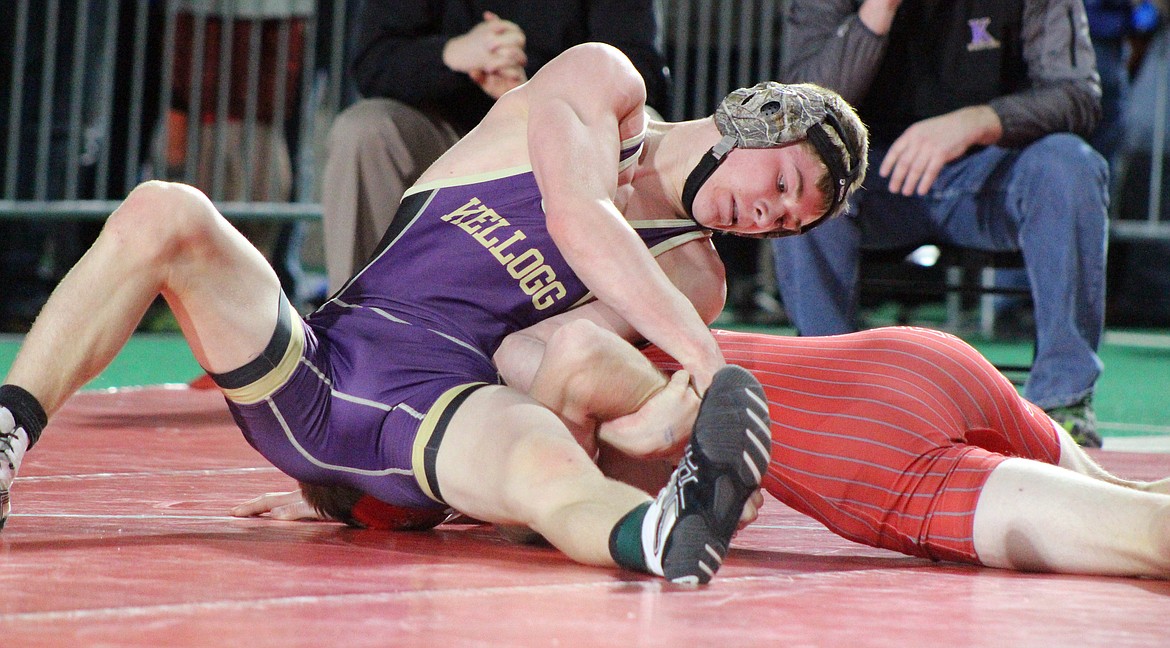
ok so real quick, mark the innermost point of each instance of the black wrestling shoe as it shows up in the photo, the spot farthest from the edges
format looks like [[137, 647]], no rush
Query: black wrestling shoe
[[688, 528], [13, 443]]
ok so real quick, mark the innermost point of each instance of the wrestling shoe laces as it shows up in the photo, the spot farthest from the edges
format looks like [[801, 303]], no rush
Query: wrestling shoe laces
[[687, 530], [13, 443]]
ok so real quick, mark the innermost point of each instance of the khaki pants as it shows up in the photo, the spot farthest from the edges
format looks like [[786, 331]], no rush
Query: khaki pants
[[377, 149]]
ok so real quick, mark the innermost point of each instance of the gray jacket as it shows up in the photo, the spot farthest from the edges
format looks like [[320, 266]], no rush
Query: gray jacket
[[826, 43]]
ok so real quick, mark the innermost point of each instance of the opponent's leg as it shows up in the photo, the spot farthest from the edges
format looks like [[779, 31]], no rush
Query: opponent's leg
[[871, 433], [164, 238], [1020, 429], [962, 408], [1038, 517]]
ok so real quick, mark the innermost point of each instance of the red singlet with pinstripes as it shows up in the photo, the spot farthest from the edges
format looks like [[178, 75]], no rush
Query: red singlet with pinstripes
[[886, 436]]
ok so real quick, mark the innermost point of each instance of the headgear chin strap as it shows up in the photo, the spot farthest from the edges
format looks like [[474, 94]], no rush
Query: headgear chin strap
[[703, 170]]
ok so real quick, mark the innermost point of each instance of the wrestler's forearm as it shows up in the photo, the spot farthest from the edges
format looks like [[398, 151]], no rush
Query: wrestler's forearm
[[573, 146], [587, 375], [623, 275]]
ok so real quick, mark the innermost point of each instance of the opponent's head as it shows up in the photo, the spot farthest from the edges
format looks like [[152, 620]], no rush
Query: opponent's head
[[772, 115], [356, 509]]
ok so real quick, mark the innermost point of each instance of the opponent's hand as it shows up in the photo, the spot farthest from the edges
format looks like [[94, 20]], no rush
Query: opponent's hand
[[492, 45], [919, 154], [751, 509], [278, 506]]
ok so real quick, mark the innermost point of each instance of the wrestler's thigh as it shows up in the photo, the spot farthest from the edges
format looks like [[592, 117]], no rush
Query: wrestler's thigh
[[501, 454], [224, 293]]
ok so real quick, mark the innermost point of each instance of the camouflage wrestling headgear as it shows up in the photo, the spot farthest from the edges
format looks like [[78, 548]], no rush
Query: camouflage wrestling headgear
[[771, 115]]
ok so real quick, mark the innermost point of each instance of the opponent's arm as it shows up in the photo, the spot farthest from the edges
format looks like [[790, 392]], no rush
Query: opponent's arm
[[288, 506], [576, 107]]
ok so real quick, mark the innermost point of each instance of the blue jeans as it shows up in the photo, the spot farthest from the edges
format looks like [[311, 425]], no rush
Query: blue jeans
[[1048, 200]]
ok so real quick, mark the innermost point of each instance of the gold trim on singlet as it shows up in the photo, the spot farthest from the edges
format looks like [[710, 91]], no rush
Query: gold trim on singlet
[[496, 174], [430, 436], [675, 241], [279, 375], [473, 178], [661, 223], [640, 140], [665, 246]]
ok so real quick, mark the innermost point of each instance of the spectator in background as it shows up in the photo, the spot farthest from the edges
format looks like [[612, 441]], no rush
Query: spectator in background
[[1139, 266], [429, 70], [245, 157], [976, 113], [1111, 25]]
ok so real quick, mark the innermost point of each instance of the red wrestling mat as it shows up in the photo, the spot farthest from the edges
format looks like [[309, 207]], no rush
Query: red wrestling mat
[[121, 537]]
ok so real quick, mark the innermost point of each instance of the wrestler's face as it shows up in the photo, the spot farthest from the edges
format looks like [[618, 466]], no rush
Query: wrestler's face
[[763, 191]]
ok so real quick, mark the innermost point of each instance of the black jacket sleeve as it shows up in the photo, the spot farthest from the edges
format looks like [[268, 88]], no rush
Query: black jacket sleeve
[[398, 48], [632, 26], [1065, 94], [398, 52]]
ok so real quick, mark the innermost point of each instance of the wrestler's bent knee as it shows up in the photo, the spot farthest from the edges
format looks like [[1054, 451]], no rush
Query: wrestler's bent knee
[[160, 219], [580, 343]]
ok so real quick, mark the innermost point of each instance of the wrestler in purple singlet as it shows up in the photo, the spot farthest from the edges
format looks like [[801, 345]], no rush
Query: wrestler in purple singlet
[[360, 393]]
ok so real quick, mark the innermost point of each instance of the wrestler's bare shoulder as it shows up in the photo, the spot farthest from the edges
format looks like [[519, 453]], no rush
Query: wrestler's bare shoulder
[[592, 76], [499, 141]]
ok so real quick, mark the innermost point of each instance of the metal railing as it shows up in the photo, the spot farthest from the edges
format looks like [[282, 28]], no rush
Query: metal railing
[[98, 95], [716, 46], [1153, 225]]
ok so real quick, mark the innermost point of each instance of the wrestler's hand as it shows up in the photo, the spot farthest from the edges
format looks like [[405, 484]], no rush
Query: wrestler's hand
[[916, 157], [492, 45], [278, 506], [751, 509], [703, 367], [661, 426]]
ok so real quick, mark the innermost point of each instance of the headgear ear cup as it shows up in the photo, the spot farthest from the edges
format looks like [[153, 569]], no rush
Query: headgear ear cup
[[373, 513]]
